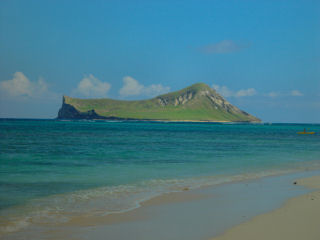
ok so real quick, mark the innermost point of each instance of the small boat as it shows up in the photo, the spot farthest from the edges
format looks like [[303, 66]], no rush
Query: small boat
[[305, 132]]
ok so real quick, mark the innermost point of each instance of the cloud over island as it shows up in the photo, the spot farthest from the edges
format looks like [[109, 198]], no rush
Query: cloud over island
[[90, 86], [226, 92], [223, 47], [131, 87]]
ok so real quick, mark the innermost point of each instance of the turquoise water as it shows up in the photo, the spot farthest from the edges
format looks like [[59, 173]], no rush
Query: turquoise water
[[51, 169]]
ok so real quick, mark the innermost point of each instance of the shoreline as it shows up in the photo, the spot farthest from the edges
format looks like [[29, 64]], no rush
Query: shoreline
[[202, 209], [297, 219], [173, 195]]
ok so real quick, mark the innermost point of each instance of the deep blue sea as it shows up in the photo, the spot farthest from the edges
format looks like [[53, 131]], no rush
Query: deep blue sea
[[51, 169]]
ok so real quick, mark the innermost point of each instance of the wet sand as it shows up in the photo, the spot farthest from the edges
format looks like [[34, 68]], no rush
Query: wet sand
[[298, 219]]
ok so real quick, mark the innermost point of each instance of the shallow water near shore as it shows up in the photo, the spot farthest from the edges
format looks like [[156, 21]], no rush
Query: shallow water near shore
[[54, 170]]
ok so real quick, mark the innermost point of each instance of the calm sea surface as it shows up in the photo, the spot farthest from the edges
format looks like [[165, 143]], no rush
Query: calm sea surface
[[50, 169]]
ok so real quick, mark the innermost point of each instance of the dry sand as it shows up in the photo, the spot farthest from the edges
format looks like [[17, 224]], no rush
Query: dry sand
[[298, 219]]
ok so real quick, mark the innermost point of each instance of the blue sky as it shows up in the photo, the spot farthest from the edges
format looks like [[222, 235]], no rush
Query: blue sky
[[263, 56]]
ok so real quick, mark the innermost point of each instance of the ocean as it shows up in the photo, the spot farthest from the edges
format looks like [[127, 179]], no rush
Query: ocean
[[51, 170]]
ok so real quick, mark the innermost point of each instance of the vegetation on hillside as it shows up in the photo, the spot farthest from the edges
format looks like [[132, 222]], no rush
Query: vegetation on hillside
[[195, 103]]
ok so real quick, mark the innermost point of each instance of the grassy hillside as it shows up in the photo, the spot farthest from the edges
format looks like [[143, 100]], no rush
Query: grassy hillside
[[197, 102]]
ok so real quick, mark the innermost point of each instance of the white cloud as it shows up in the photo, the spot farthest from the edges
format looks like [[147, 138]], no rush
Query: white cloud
[[155, 89], [224, 46], [20, 85], [223, 90], [131, 87], [226, 92], [273, 94], [246, 92], [90, 86], [296, 93]]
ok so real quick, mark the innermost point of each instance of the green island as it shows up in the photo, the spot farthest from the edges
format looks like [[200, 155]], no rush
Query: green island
[[197, 102]]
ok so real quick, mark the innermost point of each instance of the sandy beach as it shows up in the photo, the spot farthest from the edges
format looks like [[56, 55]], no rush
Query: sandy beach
[[204, 213], [298, 219]]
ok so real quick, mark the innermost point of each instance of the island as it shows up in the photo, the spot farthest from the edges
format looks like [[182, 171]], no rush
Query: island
[[198, 102]]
